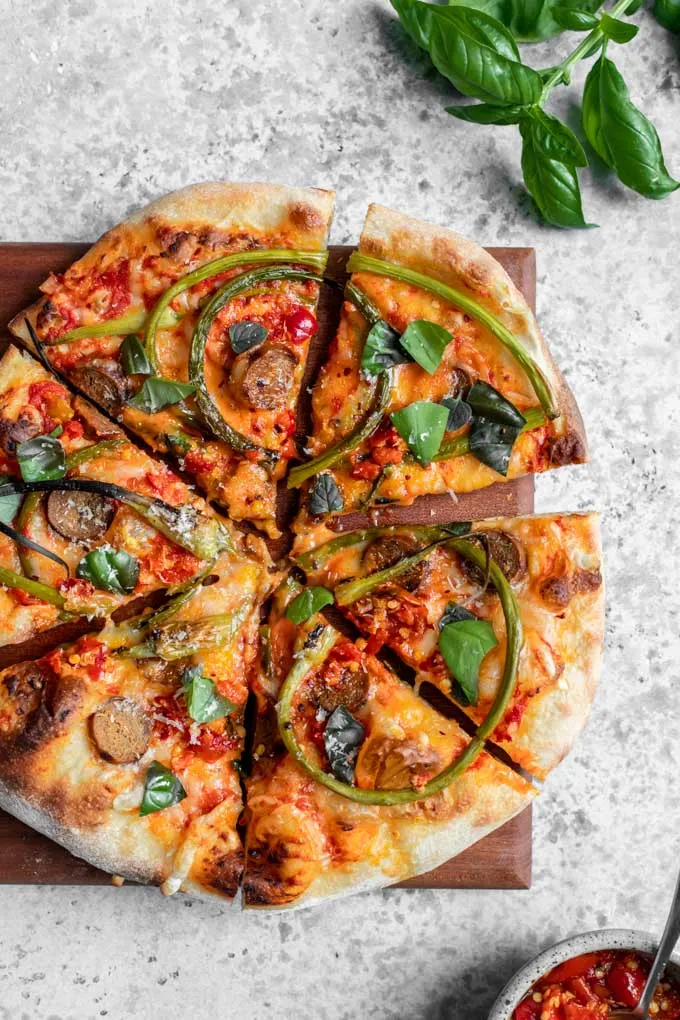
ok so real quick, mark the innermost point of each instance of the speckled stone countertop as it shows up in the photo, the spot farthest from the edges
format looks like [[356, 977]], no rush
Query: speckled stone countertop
[[107, 105]]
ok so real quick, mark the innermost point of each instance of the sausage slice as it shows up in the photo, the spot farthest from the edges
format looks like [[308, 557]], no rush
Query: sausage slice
[[387, 550], [347, 685], [505, 550], [27, 426], [121, 730], [80, 515], [106, 388], [267, 378]]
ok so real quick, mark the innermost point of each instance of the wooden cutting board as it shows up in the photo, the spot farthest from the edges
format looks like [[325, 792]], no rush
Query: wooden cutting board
[[501, 860]]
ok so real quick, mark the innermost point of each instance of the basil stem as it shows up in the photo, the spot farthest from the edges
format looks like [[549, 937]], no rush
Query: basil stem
[[460, 445], [320, 651], [366, 263], [363, 430], [35, 588], [131, 322], [315, 259], [205, 537], [180, 639], [209, 410]]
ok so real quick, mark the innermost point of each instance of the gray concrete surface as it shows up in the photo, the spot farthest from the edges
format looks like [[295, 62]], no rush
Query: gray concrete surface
[[105, 105]]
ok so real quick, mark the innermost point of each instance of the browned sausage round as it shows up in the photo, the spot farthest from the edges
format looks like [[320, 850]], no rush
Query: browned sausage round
[[107, 387], [386, 550], [79, 515], [460, 382], [159, 671], [505, 550], [121, 730], [349, 688], [265, 379], [27, 426]]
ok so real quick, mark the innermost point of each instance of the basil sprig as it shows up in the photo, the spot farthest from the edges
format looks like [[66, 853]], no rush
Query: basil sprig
[[382, 349], [157, 393], [464, 640], [203, 700], [621, 134], [41, 459], [9, 507], [110, 569], [342, 739], [472, 43], [496, 424], [243, 336], [422, 426], [422, 341], [162, 789], [309, 602], [133, 357], [324, 496]]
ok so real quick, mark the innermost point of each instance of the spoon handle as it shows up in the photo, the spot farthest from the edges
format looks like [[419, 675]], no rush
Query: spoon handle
[[669, 938]]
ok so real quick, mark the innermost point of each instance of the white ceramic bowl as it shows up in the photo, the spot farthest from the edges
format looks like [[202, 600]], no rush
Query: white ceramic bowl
[[590, 941]]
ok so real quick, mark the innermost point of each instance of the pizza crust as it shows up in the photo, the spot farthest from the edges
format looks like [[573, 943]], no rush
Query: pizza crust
[[303, 215], [459, 262]]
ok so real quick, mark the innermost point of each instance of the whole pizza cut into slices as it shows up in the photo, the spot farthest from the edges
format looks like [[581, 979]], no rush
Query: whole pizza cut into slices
[[357, 782], [125, 747], [438, 379], [94, 522], [438, 597], [191, 323]]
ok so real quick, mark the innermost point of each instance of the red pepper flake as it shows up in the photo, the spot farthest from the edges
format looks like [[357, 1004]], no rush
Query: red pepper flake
[[93, 655]]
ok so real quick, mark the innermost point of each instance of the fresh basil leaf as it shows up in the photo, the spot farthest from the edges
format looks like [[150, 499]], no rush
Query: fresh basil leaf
[[9, 507], [492, 443], [483, 113], [162, 789], [667, 13], [324, 496], [534, 20], [422, 426], [133, 357], [621, 134], [415, 19], [157, 393], [41, 459], [556, 140], [460, 413], [617, 31], [309, 602], [454, 614], [382, 349], [342, 739], [487, 402], [463, 644], [203, 700], [243, 336], [553, 185], [480, 58], [110, 569], [425, 342], [574, 19]]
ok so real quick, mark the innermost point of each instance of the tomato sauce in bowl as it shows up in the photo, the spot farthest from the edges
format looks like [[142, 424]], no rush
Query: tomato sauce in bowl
[[590, 986]]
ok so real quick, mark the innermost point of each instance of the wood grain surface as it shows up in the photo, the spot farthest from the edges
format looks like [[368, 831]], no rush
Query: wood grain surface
[[500, 861]]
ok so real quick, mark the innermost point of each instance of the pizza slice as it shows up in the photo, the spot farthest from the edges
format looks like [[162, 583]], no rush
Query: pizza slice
[[438, 379], [191, 323], [440, 598], [72, 542], [125, 747], [356, 782]]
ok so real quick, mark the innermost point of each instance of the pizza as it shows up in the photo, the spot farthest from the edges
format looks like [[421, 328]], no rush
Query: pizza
[[89, 553], [223, 723], [438, 380], [359, 729], [162, 327], [403, 587], [132, 760]]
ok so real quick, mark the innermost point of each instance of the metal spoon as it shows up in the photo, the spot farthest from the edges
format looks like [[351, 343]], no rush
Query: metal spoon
[[670, 936]]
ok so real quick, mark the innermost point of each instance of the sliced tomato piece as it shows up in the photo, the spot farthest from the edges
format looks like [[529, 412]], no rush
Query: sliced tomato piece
[[625, 984], [573, 1011], [572, 968], [529, 1009]]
